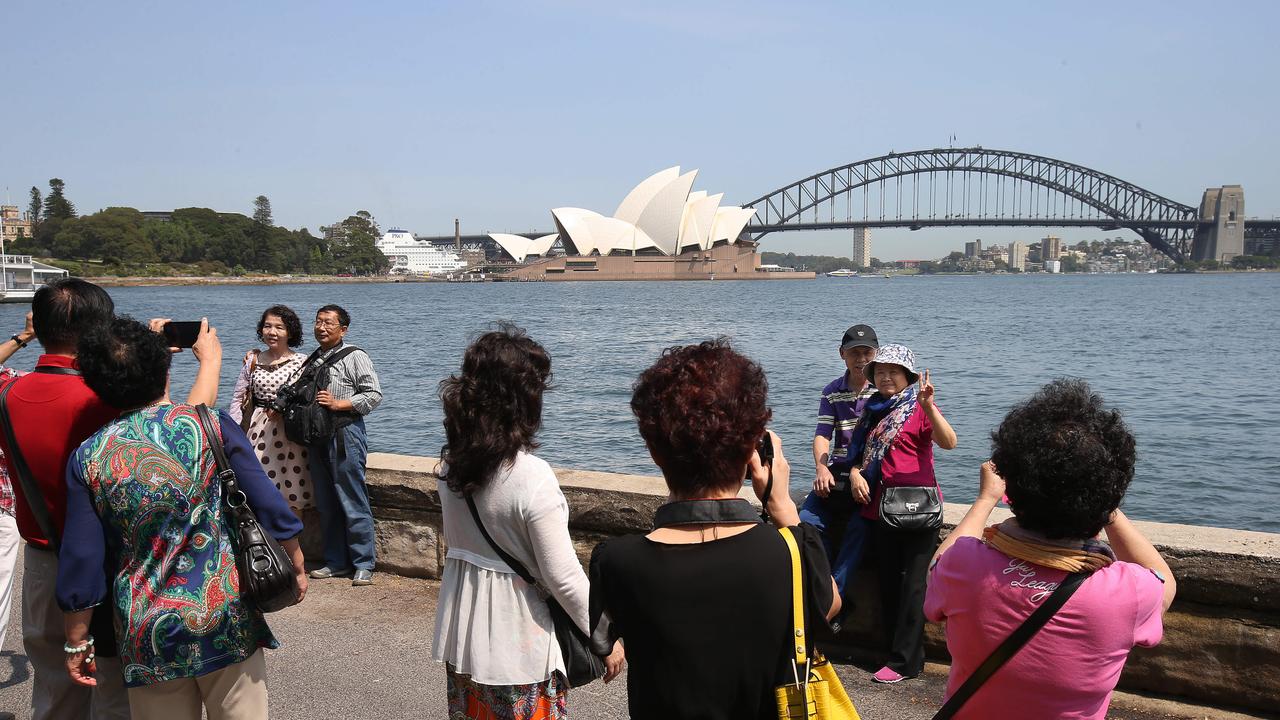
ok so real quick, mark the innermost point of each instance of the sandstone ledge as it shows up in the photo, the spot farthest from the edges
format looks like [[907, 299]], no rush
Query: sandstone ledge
[[1222, 636]]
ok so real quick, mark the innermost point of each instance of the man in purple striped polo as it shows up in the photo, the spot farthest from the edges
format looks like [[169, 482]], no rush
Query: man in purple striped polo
[[834, 506]]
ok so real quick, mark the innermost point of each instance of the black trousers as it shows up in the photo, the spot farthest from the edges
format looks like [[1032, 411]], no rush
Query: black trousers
[[902, 565]]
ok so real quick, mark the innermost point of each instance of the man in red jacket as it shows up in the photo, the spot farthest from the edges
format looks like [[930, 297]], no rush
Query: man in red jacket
[[52, 411]]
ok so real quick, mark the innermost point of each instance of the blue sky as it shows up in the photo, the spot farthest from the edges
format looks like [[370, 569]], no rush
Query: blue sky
[[496, 112]]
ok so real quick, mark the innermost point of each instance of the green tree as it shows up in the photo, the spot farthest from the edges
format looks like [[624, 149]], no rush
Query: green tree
[[262, 211], [172, 241], [33, 210], [114, 235], [353, 245], [56, 204]]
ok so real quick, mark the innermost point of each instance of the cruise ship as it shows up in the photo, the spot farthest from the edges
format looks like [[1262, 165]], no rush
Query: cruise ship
[[411, 256]]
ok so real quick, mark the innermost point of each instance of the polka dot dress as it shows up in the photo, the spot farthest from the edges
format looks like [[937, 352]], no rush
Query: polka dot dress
[[284, 460]]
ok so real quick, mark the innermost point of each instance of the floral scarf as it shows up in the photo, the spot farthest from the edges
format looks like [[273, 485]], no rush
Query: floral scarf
[[881, 420]]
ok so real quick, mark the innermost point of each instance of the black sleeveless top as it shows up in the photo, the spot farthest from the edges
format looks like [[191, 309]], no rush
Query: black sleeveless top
[[707, 627]]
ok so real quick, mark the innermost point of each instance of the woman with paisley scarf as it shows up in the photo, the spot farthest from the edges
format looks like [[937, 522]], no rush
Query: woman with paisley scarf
[[146, 534], [894, 440], [1065, 463]]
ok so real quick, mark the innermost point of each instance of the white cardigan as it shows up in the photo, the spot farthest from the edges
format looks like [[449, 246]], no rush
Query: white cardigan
[[490, 624]]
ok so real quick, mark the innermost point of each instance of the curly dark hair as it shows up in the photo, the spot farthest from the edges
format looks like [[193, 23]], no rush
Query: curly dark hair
[[701, 409], [292, 325], [1066, 460], [493, 407], [125, 363]]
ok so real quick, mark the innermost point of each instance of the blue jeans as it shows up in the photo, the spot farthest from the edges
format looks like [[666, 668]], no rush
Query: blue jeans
[[828, 514], [346, 520]]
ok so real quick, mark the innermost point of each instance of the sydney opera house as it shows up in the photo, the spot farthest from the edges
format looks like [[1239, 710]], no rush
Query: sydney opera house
[[662, 229]]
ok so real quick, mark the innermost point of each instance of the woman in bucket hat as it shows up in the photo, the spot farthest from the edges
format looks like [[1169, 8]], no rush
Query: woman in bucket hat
[[893, 442]]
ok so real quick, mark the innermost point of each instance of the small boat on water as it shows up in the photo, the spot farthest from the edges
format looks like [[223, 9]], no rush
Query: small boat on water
[[843, 272]]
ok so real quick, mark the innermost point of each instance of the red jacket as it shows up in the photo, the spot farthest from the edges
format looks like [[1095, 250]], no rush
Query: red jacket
[[52, 415]]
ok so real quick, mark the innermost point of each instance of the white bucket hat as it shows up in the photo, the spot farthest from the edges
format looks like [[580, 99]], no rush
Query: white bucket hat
[[893, 354]]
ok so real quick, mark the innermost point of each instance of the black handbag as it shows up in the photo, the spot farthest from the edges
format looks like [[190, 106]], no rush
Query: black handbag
[[581, 665], [267, 577], [911, 508]]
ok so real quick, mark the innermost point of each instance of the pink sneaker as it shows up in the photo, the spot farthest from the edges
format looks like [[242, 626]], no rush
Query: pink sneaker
[[886, 675]]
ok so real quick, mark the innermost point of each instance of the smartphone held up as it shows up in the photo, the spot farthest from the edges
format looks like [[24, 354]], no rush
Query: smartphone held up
[[181, 334]]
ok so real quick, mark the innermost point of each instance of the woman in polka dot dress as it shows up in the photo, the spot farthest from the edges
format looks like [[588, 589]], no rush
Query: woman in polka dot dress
[[264, 372]]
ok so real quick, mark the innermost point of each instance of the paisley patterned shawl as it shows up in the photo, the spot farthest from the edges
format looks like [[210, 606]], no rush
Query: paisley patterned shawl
[[880, 423], [175, 586]]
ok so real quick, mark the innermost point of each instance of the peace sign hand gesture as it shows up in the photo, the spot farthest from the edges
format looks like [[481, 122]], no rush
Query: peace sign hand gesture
[[926, 391]]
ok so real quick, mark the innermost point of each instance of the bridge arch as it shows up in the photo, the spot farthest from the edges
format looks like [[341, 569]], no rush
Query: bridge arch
[[997, 187]]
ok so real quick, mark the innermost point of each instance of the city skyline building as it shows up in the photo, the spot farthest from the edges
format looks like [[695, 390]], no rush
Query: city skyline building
[[862, 247], [973, 248], [1050, 248], [1017, 256]]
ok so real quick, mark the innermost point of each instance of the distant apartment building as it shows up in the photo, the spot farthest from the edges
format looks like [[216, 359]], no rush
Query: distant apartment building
[[1017, 256], [1050, 248], [862, 247], [16, 223], [973, 249]]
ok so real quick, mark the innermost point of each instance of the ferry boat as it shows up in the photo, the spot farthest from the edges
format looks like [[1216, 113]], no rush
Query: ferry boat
[[412, 256], [843, 272], [20, 277]]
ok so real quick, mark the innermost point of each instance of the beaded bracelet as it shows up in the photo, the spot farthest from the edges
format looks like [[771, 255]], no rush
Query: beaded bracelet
[[77, 650]]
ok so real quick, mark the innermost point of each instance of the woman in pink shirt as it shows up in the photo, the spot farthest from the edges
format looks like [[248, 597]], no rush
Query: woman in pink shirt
[[893, 442], [1065, 463]]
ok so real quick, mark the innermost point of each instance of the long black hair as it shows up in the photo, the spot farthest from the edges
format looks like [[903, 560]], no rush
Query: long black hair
[[493, 407]]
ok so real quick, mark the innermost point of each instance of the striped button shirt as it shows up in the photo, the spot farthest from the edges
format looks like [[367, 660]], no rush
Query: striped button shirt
[[838, 413], [353, 378]]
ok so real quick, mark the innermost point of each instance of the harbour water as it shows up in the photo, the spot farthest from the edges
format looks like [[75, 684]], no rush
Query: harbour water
[[1189, 359]]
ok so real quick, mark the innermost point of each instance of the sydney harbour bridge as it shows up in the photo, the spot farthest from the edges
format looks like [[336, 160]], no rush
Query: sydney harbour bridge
[[980, 187]]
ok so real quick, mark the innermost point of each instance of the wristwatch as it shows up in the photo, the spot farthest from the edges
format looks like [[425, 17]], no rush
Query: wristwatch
[[18, 339]]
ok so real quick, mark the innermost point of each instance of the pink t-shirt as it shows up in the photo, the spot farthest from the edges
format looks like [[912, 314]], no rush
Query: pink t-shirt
[[1070, 667]]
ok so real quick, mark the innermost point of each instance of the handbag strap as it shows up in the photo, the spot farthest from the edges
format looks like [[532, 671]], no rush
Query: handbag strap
[[1012, 644], [511, 562], [797, 600], [30, 490], [226, 475]]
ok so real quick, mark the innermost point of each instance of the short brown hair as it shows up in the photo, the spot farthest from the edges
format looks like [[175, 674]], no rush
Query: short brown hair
[[701, 409]]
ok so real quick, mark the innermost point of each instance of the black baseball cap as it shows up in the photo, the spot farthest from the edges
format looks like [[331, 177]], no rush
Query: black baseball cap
[[859, 336]]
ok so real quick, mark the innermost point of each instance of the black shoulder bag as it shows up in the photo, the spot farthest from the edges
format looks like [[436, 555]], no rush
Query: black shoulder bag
[[1012, 644], [581, 665], [266, 573], [102, 624], [305, 421]]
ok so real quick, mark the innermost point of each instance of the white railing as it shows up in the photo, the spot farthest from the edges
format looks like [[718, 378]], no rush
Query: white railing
[[15, 259]]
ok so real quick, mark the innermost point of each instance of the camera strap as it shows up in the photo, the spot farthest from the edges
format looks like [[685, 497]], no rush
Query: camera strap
[[705, 512]]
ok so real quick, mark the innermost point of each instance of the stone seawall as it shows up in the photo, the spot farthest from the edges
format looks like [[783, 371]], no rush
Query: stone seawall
[[1222, 635]]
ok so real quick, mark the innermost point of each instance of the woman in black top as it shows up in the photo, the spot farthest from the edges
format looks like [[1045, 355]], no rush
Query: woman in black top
[[703, 603]]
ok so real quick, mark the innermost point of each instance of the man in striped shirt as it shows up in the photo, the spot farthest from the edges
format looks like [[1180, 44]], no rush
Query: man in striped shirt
[[338, 463], [834, 506]]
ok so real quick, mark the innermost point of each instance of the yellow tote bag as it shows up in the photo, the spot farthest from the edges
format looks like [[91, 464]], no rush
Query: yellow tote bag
[[816, 692]]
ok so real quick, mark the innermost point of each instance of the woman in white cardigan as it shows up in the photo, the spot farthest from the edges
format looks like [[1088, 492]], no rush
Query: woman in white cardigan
[[493, 632]]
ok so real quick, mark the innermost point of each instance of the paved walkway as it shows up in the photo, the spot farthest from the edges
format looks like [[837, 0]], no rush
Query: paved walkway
[[365, 654]]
